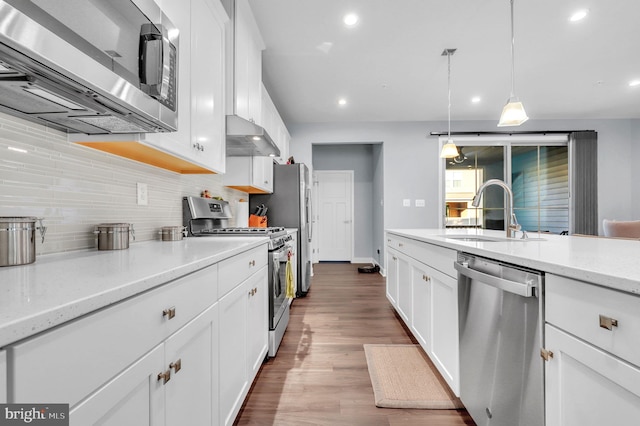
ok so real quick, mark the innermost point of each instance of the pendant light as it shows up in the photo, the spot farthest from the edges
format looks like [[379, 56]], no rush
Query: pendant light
[[513, 113], [449, 150]]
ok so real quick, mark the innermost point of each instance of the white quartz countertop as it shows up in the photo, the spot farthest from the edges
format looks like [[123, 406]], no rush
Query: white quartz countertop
[[613, 263], [60, 287]]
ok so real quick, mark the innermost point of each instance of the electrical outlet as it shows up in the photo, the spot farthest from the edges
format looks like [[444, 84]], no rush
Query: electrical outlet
[[420, 203], [142, 192], [406, 202]]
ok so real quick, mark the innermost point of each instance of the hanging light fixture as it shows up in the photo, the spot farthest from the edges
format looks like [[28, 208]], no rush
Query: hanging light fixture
[[513, 113], [449, 149]]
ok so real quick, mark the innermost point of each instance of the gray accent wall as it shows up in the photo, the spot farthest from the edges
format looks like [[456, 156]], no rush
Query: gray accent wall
[[361, 159]]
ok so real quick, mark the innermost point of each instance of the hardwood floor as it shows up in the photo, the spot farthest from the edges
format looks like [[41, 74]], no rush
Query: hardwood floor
[[320, 376]]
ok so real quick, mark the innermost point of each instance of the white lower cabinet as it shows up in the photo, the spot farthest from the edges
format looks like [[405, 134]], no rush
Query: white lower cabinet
[[133, 398], [592, 368], [191, 357], [392, 277], [426, 298], [151, 359], [444, 328], [421, 282], [586, 386], [405, 291], [257, 321], [243, 341], [173, 382]]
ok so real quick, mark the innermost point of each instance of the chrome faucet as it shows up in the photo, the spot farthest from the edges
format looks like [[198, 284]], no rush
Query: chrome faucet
[[512, 223]]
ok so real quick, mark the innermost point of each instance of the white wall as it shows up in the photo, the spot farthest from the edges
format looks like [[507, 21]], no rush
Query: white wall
[[74, 188], [411, 161]]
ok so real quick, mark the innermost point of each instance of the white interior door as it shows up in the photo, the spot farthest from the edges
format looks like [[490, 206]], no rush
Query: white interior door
[[335, 215]]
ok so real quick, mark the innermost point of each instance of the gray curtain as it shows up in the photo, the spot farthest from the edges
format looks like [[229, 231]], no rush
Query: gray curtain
[[584, 187]]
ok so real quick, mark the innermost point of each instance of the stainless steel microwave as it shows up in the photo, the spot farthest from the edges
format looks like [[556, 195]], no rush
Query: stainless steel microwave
[[94, 67]]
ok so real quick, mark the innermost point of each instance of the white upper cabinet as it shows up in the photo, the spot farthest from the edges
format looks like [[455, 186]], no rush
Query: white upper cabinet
[[207, 79], [247, 70], [201, 121], [273, 124], [253, 175]]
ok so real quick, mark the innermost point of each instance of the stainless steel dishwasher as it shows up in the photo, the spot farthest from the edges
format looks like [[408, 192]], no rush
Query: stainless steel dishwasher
[[501, 371]]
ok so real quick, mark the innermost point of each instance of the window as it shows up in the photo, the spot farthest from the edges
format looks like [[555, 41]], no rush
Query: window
[[536, 168]]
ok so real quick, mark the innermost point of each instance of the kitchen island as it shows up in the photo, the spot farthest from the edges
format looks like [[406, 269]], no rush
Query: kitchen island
[[590, 308], [136, 333]]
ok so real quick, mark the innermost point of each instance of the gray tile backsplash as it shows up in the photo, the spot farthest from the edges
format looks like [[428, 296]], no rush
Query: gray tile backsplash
[[73, 187]]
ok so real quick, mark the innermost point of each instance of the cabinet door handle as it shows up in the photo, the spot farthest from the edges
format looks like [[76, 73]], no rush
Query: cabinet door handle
[[546, 354], [427, 278], [164, 376], [607, 322], [252, 263], [400, 245], [169, 312], [176, 365]]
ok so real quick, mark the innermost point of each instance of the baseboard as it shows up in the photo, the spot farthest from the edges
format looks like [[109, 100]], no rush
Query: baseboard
[[362, 260]]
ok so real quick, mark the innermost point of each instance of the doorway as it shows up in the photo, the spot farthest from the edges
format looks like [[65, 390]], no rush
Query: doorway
[[334, 214]]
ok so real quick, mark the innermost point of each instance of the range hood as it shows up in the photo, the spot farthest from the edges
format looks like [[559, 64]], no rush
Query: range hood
[[245, 138]]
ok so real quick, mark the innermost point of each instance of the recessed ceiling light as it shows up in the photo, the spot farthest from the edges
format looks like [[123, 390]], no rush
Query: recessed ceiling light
[[634, 83], [579, 15], [476, 99], [350, 19], [342, 101]]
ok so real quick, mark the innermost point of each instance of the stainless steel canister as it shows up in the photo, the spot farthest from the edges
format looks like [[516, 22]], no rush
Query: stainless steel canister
[[114, 236], [173, 233], [18, 240]]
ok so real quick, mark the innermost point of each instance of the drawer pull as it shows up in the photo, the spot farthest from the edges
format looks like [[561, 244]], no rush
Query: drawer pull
[[400, 245], [170, 312], [176, 365], [427, 278], [607, 322], [252, 263], [165, 377]]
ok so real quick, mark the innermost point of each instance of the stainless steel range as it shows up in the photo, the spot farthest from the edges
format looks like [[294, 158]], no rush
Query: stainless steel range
[[206, 217]]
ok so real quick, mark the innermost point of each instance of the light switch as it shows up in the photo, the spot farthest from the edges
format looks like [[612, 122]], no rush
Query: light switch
[[419, 203], [406, 202]]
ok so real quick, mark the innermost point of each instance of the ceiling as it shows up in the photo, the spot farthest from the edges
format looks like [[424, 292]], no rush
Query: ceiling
[[389, 66]]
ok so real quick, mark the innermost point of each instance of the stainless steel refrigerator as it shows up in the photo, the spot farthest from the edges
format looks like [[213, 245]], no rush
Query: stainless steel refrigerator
[[290, 206]]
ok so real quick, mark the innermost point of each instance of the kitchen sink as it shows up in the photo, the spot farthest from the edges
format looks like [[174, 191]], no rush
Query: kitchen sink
[[485, 239]]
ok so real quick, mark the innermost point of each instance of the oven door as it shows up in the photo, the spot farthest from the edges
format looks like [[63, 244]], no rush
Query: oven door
[[277, 285]]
